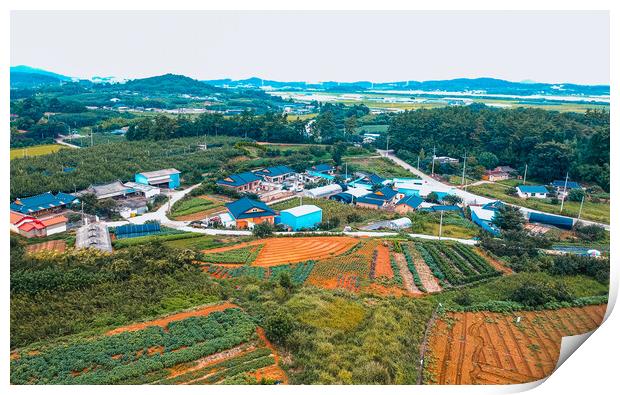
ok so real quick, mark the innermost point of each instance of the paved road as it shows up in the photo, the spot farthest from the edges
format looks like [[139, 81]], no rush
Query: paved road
[[161, 216], [467, 197]]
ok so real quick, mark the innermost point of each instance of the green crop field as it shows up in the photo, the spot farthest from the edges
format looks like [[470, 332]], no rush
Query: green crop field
[[599, 212]]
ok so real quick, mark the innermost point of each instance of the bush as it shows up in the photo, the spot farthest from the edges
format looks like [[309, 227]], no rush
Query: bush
[[590, 232], [279, 326], [533, 294], [263, 230]]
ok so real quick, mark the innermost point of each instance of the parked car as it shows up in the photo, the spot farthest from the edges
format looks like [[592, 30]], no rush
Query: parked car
[[197, 224]]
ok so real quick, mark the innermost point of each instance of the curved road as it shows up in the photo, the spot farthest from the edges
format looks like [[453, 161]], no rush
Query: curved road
[[161, 215], [468, 197]]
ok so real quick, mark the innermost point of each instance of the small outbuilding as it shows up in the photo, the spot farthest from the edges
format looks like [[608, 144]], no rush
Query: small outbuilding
[[400, 223], [532, 191], [306, 216], [324, 191], [165, 178]]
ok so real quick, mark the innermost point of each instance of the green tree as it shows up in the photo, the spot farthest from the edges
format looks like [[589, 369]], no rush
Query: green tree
[[279, 326], [509, 218], [488, 160], [262, 230]]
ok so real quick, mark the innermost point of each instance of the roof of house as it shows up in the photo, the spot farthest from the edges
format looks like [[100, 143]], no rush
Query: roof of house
[[482, 213], [59, 219], [324, 190], [112, 188], [160, 173], [442, 207], [323, 167], [275, 171], [387, 192], [302, 210], [374, 179], [494, 206], [412, 201], [41, 202], [569, 184], [140, 187], [532, 188], [16, 217], [239, 179], [505, 169], [357, 192], [371, 199], [248, 208]]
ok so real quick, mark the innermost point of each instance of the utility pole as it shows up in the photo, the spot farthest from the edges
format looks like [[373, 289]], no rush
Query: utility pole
[[300, 201], [525, 174], [346, 171], [440, 223], [91, 137], [464, 162], [387, 145], [581, 206], [433, 165], [564, 194], [418, 162]]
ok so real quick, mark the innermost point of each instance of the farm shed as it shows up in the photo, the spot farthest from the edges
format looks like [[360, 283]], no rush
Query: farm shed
[[166, 178], [324, 191], [350, 195], [483, 217], [94, 235], [148, 191], [105, 191], [301, 217], [132, 230], [555, 220], [400, 223]]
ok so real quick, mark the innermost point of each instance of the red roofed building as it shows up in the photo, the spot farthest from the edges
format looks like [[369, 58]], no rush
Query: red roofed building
[[29, 226]]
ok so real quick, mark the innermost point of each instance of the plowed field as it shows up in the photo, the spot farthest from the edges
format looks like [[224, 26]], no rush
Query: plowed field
[[52, 245], [278, 251], [493, 348]]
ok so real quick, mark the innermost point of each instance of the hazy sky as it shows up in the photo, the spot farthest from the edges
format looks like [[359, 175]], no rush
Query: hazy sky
[[317, 46]]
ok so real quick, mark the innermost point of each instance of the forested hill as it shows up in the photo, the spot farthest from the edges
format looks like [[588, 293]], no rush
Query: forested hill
[[551, 143], [170, 83]]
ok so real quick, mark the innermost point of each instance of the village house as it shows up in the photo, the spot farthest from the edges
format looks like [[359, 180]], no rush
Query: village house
[[247, 213], [29, 226], [242, 182], [499, 173], [275, 174], [43, 204], [384, 197], [408, 204], [562, 187], [532, 191]]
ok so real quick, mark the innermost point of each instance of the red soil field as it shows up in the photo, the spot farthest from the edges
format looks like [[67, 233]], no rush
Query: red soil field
[[282, 250], [164, 321], [52, 245], [494, 262], [492, 348], [383, 267]]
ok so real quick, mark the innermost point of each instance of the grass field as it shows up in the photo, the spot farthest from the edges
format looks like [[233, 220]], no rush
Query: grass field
[[35, 150], [372, 129], [592, 211], [380, 166]]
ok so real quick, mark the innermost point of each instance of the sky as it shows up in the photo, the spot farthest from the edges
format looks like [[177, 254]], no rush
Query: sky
[[553, 47]]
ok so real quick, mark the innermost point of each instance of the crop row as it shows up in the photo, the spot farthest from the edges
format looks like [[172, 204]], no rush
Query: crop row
[[433, 264], [299, 272], [411, 265], [114, 359], [221, 367], [373, 265], [233, 272], [397, 277], [239, 255]]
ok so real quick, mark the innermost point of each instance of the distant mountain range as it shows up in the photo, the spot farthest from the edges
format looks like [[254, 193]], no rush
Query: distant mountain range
[[30, 77], [486, 85]]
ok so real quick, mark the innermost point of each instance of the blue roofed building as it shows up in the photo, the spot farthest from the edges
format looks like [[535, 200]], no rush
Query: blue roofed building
[[408, 204], [384, 197], [445, 208], [483, 216], [275, 174], [44, 203], [165, 178], [367, 181], [559, 184], [248, 212], [307, 216], [554, 220], [241, 182], [322, 168], [532, 191]]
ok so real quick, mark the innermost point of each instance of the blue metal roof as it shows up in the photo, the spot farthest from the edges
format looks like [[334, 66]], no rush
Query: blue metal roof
[[532, 188], [248, 208], [374, 179], [41, 202], [555, 220], [128, 229], [342, 197], [496, 205], [387, 192], [412, 201], [379, 197], [237, 180], [569, 185], [371, 199], [322, 168], [275, 171], [444, 208]]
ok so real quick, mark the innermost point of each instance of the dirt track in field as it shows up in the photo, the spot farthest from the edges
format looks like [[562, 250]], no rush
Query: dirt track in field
[[164, 321], [406, 274], [493, 348]]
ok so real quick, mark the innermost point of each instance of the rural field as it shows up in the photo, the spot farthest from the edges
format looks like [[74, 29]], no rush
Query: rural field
[[216, 344], [35, 150], [495, 348], [592, 211]]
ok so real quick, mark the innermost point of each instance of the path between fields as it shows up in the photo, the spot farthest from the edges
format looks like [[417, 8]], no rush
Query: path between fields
[[468, 197], [405, 274]]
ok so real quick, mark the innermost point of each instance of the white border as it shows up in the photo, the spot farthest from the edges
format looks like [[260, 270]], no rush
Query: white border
[[592, 369]]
